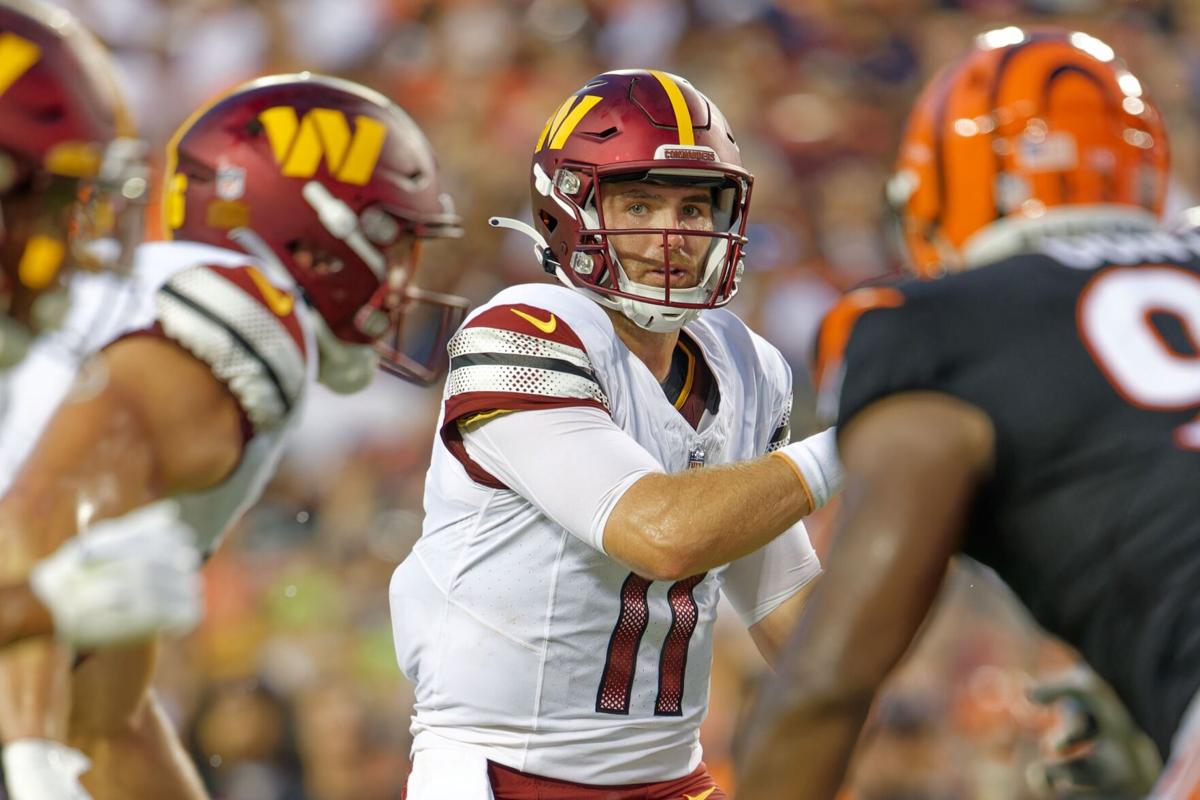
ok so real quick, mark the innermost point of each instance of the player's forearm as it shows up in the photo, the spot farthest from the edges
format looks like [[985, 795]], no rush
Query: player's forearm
[[21, 614], [671, 526], [35, 689], [145, 421], [818, 736]]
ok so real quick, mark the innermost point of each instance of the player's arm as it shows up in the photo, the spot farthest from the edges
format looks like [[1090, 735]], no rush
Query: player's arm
[[22, 614], [145, 420], [525, 410], [160, 413], [670, 526], [914, 462], [665, 527], [771, 633]]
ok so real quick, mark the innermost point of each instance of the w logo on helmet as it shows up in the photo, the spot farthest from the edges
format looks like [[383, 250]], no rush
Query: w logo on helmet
[[563, 123], [17, 55], [300, 145]]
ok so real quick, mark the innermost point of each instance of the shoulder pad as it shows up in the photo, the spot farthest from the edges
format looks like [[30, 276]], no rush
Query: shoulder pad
[[834, 336], [515, 357], [245, 329]]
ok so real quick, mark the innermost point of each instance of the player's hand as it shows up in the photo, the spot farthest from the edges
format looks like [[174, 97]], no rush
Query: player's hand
[[1100, 752], [40, 769], [123, 579]]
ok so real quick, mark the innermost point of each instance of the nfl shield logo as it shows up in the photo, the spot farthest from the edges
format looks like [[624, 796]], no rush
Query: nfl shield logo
[[230, 183]]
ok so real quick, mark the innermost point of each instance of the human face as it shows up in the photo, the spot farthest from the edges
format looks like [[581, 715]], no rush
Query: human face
[[675, 259]]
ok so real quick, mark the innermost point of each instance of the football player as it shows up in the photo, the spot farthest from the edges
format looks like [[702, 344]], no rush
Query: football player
[[72, 181], [1035, 408], [613, 455], [296, 205]]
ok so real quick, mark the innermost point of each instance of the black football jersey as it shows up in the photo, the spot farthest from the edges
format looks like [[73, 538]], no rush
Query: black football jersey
[[1087, 361]]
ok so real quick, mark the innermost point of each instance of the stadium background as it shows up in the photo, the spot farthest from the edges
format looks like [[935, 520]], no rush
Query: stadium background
[[289, 689]]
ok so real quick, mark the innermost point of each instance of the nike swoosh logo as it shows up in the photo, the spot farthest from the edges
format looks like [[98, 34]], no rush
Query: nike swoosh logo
[[702, 795], [280, 302], [546, 326]]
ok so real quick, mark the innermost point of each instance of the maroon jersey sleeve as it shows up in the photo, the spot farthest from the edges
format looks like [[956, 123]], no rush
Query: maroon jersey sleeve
[[245, 329], [514, 357]]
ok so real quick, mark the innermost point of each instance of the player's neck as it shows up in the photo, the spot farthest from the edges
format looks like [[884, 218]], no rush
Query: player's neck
[[654, 349]]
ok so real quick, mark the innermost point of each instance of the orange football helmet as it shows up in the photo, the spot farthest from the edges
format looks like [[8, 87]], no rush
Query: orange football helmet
[[1025, 123]]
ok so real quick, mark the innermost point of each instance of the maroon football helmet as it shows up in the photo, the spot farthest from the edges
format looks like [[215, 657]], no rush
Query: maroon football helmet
[[652, 127], [335, 183], [73, 180]]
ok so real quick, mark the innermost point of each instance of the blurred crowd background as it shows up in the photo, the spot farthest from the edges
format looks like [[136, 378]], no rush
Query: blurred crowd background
[[290, 690]]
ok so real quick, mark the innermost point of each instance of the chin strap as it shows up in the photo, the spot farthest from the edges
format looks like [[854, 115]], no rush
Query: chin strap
[[15, 340], [342, 366]]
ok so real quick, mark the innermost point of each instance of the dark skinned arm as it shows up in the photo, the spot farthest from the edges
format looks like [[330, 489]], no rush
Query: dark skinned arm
[[914, 462]]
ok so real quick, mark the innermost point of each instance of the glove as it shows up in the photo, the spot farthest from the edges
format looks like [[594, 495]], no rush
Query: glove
[[1101, 753], [124, 579], [39, 769]]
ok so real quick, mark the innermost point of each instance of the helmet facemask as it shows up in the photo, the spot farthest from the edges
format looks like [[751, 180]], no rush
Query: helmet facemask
[[660, 277], [410, 326], [84, 212]]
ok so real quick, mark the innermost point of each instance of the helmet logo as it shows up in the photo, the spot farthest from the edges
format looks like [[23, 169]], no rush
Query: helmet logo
[[300, 145], [175, 209], [562, 124], [230, 183], [17, 55]]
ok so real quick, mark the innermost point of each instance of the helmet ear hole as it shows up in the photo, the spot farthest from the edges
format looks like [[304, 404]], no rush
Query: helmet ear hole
[[549, 221]]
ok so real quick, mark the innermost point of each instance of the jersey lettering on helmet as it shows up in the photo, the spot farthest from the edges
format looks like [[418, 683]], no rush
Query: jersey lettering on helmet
[[300, 144], [17, 55], [560, 127]]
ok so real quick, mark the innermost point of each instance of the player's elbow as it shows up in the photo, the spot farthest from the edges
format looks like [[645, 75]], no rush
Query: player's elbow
[[669, 564], [650, 552]]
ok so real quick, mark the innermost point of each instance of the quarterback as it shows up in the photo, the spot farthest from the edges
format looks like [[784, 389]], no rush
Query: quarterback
[[613, 455], [295, 205], [1034, 408]]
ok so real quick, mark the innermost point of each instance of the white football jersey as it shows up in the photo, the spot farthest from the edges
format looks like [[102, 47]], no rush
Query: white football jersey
[[215, 303], [525, 642]]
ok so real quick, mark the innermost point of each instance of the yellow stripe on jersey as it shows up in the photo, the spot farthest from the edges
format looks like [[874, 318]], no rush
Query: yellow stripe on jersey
[[683, 117], [689, 380], [483, 416]]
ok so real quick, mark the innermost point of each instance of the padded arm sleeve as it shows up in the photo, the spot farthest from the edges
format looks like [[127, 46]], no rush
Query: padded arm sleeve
[[573, 464]]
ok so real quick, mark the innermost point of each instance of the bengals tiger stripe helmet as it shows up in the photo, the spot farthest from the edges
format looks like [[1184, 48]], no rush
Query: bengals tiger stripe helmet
[[636, 125], [73, 177], [1028, 128]]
